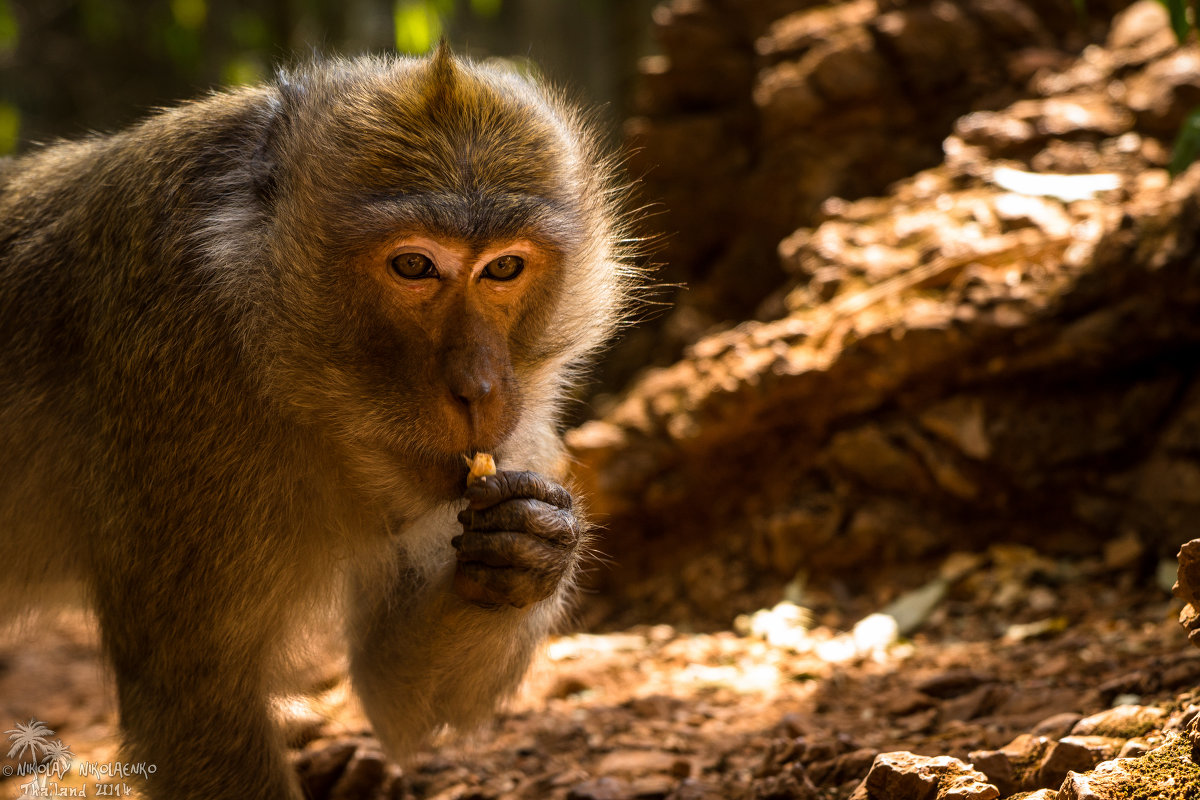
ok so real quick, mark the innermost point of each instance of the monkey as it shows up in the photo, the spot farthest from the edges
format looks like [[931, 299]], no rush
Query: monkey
[[245, 345]]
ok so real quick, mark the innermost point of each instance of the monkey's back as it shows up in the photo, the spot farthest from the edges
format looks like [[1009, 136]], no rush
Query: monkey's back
[[95, 288]]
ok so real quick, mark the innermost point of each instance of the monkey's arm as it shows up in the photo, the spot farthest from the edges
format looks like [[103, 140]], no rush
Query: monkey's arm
[[454, 630]]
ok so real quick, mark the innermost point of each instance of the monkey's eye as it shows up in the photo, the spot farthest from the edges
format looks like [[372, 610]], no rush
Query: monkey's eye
[[413, 266], [504, 268]]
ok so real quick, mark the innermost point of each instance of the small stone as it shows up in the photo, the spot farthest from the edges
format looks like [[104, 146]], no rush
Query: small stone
[[1135, 748], [1123, 552], [905, 776], [1138, 22], [1124, 722], [952, 683], [996, 765], [1074, 754], [1057, 726], [636, 762], [1188, 581]]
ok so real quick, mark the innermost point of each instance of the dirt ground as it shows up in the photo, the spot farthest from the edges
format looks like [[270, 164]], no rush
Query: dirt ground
[[798, 705]]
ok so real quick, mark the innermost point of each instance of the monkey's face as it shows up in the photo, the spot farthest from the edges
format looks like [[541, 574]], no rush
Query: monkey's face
[[436, 334], [442, 238]]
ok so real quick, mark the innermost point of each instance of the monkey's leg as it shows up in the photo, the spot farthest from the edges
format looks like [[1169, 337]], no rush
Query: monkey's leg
[[192, 698]]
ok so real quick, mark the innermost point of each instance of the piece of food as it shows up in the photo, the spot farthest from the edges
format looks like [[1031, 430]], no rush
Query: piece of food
[[482, 466]]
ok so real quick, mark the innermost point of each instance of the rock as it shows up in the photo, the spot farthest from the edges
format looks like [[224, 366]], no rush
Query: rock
[[1056, 726], [852, 766], [636, 762], [1139, 22], [998, 768], [1187, 585], [1015, 766], [1123, 552], [790, 784], [911, 609], [809, 101], [1124, 722], [1187, 589], [904, 776], [931, 369], [1074, 754], [952, 683], [1166, 768], [1134, 748], [1161, 92]]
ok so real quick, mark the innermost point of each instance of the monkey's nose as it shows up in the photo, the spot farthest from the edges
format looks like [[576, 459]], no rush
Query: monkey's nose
[[472, 390]]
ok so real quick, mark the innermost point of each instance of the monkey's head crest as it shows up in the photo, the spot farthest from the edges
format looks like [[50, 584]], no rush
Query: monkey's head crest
[[441, 80]]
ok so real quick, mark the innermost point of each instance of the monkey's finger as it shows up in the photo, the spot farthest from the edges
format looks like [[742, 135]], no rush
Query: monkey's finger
[[552, 523], [509, 549], [506, 485]]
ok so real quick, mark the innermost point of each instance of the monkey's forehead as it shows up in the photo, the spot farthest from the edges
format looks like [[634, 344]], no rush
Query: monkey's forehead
[[476, 219], [436, 124]]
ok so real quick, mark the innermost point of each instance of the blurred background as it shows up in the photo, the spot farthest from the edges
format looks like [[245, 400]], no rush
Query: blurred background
[[72, 66]]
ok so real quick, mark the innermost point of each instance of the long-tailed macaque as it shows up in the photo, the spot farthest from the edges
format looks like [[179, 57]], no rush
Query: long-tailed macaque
[[245, 346]]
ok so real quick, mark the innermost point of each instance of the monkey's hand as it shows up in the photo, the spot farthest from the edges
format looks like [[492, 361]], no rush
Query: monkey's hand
[[520, 539]]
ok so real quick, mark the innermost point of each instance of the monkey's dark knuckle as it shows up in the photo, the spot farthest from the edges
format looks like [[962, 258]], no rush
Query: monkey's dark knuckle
[[522, 514], [515, 484], [538, 487], [484, 495]]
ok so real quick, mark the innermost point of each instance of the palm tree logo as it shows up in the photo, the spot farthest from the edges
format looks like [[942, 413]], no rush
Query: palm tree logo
[[32, 737], [56, 754]]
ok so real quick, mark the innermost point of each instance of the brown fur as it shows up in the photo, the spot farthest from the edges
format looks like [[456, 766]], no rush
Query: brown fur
[[213, 417]]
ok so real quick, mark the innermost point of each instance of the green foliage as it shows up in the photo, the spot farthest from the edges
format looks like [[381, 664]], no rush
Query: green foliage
[[101, 21], [8, 29], [189, 14], [485, 8], [1187, 144], [418, 24], [183, 45], [250, 31], [242, 71], [10, 128]]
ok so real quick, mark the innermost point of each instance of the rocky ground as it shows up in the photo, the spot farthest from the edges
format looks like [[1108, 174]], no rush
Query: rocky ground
[[1032, 669]]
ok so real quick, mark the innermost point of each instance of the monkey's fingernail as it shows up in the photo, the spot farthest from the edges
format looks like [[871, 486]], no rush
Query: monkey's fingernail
[[456, 542]]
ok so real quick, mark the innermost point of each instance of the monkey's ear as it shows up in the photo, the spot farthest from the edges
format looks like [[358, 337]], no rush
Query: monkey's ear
[[280, 111]]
